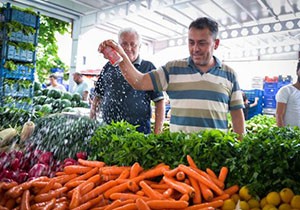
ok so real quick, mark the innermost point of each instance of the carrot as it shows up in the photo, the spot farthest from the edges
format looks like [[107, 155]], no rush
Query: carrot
[[49, 195], [76, 169], [116, 189], [87, 188], [223, 174], [18, 190], [91, 163], [42, 184], [171, 173], [191, 172], [25, 200], [48, 187], [50, 205], [197, 198], [142, 205], [158, 186], [132, 186], [168, 192], [211, 173], [185, 197], [232, 190], [116, 170], [61, 206], [150, 182], [75, 199], [60, 173], [10, 203], [187, 181], [8, 185], [65, 178], [118, 203], [126, 196], [149, 191], [108, 177], [135, 179], [125, 174], [129, 206], [180, 176], [191, 162], [214, 204], [135, 169], [98, 190], [90, 203], [161, 204], [140, 192], [213, 179], [156, 171], [180, 186], [206, 192], [73, 184], [221, 197], [86, 175]]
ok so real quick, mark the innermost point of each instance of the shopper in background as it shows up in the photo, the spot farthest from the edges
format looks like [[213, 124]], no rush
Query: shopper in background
[[288, 103], [54, 84], [82, 86], [118, 100], [248, 105], [201, 89]]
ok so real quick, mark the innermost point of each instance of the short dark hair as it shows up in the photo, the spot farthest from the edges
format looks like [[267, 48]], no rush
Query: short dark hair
[[53, 76], [204, 22]]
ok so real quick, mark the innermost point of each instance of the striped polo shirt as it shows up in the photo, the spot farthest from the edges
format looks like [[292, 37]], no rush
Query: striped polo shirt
[[198, 100]]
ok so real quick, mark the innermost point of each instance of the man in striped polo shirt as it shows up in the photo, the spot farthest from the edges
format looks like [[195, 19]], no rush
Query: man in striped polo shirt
[[201, 89]]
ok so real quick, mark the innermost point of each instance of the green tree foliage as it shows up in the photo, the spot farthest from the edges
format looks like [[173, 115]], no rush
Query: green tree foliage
[[47, 50]]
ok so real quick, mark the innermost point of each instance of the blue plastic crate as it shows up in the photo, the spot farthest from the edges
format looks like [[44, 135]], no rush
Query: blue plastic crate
[[22, 72], [21, 37], [270, 91], [19, 105], [24, 18], [270, 85], [19, 54], [269, 101], [16, 91], [252, 94], [256, 110]]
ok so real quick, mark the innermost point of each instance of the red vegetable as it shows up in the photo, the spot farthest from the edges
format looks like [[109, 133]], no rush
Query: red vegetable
[[38, 170]]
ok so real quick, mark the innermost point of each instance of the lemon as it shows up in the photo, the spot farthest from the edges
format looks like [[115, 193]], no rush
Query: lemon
[[295, 202], [235, 197], [244, 205], [286, 195], [253, 203], [285, 206], [263, 202], [244, 193], [228, 204], [273, 198], [268, 207]]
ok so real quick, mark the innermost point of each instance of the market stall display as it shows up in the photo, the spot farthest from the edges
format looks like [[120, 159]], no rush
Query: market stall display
[[19, 38]]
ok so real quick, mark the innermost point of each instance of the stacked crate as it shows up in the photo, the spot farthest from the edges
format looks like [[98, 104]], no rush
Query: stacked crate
[[251, 95], [18, 41], [271, 87]]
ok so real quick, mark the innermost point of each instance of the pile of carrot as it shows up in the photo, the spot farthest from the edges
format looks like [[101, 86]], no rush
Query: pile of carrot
[[94, 185]]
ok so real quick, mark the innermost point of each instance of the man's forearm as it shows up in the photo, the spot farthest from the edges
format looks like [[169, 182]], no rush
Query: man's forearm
[[131, 74], [159, 116]]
